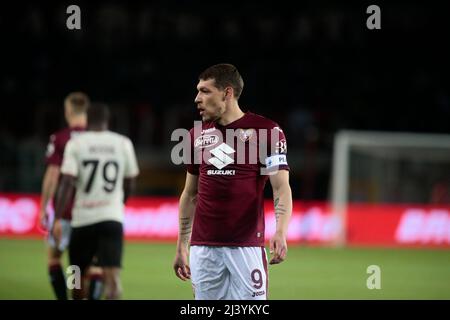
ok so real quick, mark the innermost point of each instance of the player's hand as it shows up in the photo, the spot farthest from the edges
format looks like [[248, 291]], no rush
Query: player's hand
[[57, 231], [43, 219], [181, 266], [278, 248]]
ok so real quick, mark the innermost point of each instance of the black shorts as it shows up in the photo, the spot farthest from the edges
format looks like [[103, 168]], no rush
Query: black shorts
[[104, 240]]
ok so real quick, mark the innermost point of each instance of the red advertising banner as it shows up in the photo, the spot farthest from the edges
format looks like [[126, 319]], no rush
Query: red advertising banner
[[154, 218], [406, 225]]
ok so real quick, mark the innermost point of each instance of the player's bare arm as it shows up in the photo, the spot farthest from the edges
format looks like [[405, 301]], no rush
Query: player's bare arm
[[66, 189], [49, 184], [187, 204], [282, 197]]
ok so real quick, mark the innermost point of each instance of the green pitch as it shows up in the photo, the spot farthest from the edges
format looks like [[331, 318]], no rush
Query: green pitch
[[308, 273]]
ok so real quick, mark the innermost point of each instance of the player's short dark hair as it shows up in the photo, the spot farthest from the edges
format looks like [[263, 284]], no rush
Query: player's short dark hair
[[78, 101], [97, 114], [225, 75]]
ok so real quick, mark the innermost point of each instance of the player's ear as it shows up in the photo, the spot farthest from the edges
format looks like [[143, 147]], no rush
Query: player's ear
[[228, 93]]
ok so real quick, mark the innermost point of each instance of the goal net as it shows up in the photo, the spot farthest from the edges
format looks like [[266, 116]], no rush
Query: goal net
[[387, 167]]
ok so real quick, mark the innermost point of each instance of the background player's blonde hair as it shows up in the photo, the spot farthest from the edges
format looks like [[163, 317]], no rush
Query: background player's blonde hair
[[78, 102]]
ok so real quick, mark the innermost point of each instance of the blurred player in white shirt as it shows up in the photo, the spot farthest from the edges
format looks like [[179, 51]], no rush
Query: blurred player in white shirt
[[100, 166]]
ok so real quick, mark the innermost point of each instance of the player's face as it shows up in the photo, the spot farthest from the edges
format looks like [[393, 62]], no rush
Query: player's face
[[210, 100]]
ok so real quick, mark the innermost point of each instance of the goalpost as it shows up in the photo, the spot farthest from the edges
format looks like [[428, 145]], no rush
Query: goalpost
[[387, 167]]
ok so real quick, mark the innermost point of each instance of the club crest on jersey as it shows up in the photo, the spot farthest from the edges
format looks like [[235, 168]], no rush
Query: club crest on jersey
[[246, 134], [206, 140]]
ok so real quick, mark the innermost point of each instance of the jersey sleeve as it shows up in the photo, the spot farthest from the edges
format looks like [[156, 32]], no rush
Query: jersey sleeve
[[277, 150], [191, 166], [131, 165], [70, 163], [54, 153]]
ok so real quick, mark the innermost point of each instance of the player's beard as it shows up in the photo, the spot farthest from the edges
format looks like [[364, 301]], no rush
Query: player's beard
[[211, 117]]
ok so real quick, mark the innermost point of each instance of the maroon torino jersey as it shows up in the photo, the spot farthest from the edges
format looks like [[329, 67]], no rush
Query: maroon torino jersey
[[55, 153], [232, 175]]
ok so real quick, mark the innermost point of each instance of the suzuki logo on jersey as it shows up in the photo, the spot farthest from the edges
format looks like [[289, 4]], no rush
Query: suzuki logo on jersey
[[221, 156], [221, 172]]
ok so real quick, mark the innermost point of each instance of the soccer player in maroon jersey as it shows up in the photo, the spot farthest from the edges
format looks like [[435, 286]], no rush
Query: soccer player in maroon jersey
[[221, 209], [75, 108]]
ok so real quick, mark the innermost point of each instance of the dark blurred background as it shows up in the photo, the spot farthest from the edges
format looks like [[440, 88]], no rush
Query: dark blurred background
[[313, 67]]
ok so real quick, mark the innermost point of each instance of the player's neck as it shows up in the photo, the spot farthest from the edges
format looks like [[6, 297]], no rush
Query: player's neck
[[97, 127], [77, 122], [232, 114]]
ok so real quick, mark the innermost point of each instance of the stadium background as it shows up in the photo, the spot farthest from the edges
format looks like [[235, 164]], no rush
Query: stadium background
[[313, 67]]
